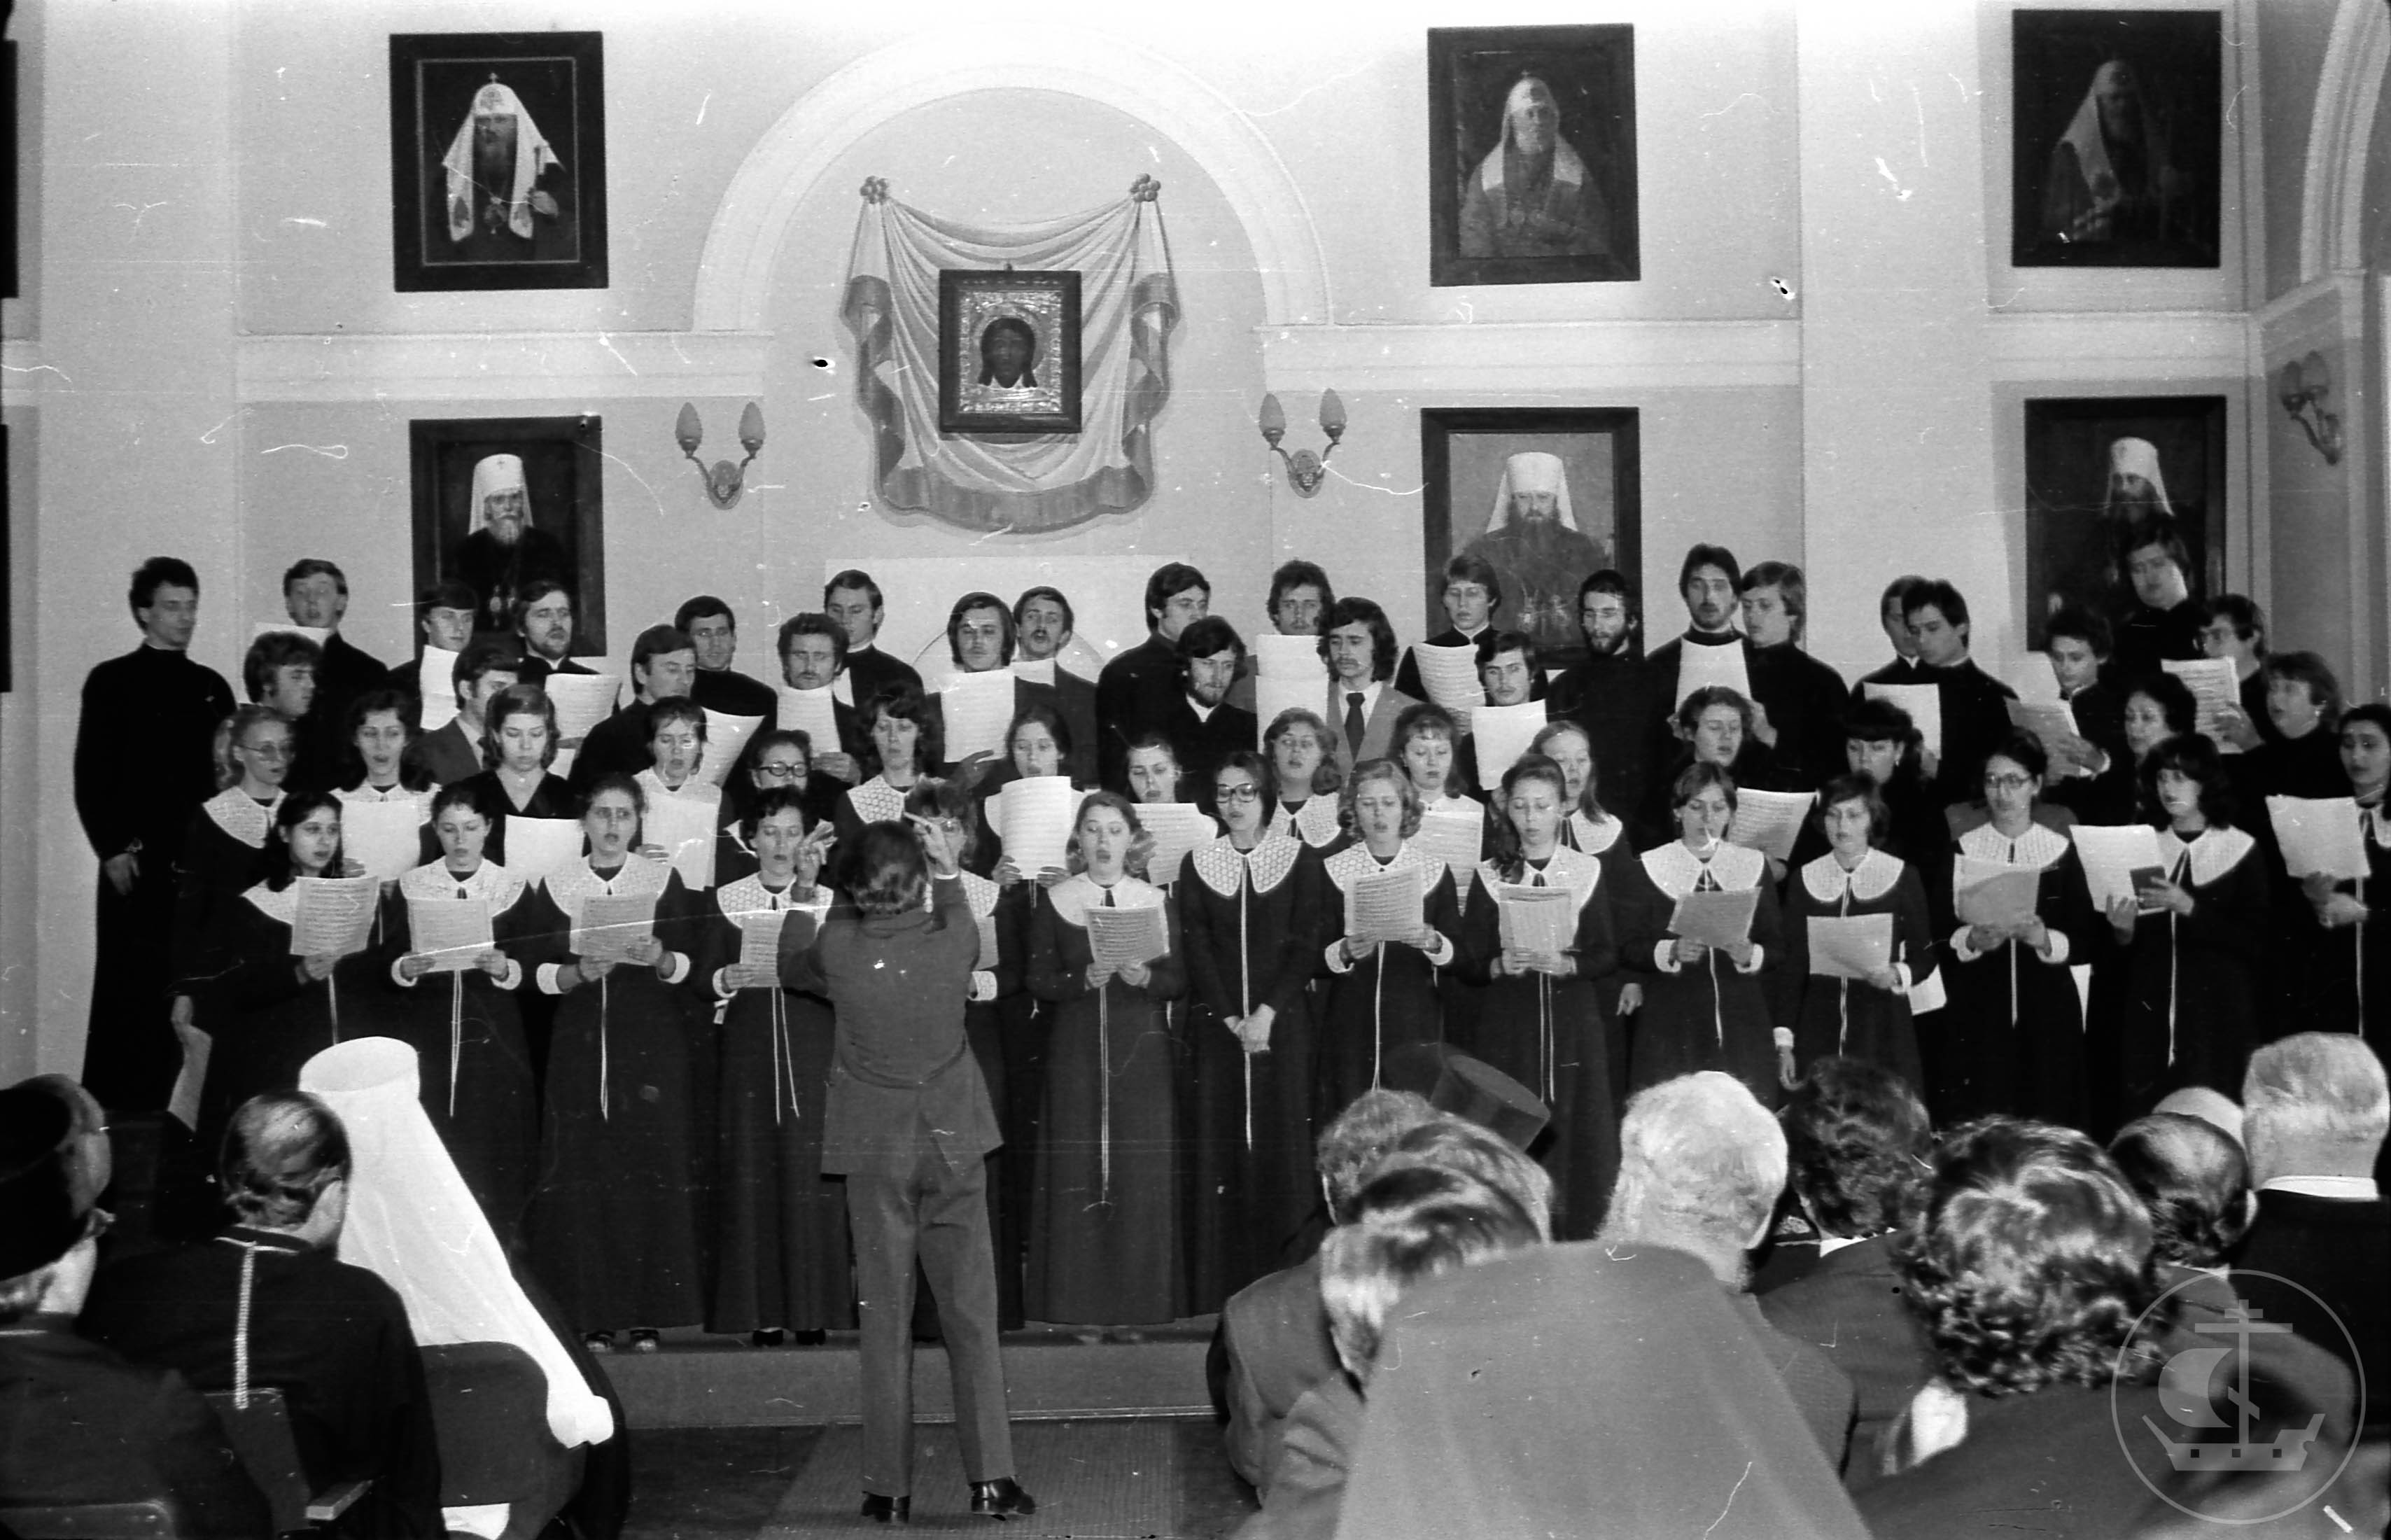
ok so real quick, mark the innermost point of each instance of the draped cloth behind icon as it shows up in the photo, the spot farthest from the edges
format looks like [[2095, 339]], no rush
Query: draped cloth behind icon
[[1128, 304]]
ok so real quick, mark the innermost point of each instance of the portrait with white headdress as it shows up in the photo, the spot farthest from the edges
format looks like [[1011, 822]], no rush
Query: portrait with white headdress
[[499, 183], [1544, 508], [2100, 468], [2117, 139]]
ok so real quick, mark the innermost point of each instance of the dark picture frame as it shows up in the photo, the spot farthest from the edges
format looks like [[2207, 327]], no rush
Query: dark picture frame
[[2117, 137], [563, 458], [553, 236], [2072, 517], [1464, 453], [1583, 228], [980, 310]]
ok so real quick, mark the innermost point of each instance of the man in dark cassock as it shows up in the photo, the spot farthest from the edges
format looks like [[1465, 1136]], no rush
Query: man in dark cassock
[[2164, 622], [1975, 706], [980, 639], [713, 630], [503, 551], [852, 599], [1610, 693], [1136, 686], [543, 621], [1042, 623], [444, 615], [1802, 698], [1472, 596], [1893, 615], [1202, 728], [144, 760], [316, 592]]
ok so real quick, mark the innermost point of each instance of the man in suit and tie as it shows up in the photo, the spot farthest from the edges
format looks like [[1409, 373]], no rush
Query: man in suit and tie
[[1042, 622], [1359, 645]]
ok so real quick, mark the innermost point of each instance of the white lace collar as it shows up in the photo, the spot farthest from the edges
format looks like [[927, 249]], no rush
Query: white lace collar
[[1676, 871], [695, 789], [979, 892], [749, 896], [1076, 895], [1868, 882], [2213, 852], [1574, 869], [2039, 847], [577, 883], [1225, 869], [242, 816], [1354, 861], [1592, 837], [876, 801], [276, 904], [1314, 823], [488, 880]]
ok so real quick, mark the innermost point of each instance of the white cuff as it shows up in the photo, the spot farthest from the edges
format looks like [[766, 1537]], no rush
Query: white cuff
[[1963, 944], [983, 988], [2057, 956], [1783, 1038], [546, 979], [1901, 971], [512, 977], [1441, 954], [675, 968], [722, 991], [399, 978], [1664, 956], [1759, 956], [1337, 961]]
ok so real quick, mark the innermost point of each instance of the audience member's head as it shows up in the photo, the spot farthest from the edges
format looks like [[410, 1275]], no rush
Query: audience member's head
[[1700, 1165], [1855, 1137], [1351, 1146], [286, 1165], [2314, 1105], [50, 1179], [2216, 1108], [1453, 1143], [885, 873], [1411, 1223], [2194, 1181]]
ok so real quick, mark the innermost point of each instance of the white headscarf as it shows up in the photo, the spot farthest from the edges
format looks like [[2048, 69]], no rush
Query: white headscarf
[[414, 1224], [1567, 164], [2137, 457], [496, 473], [1531, 471], [2091, 148], [532, 158]]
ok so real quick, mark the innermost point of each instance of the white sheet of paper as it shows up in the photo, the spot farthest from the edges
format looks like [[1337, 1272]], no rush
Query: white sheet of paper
[[1928, 994], [538, 847], [685, 827], [1850, 946], [1385, 906], [2036, 681], [561, 765], [2111, 856], [335, 915], [1450, 676], [1698, 667], [1034, 819], [1502, 734], [184, 1102], [436, 679], [1989, 893], [759, 938], [813, 713], [1036, 671], [451, 932], [385, 838], [613, 923], [1535, 919], [2318, 835], [581, 701], [1177, 828], [1769, 821], [1716, 919], [976, 708], [1289, 657], [2049, 721], [726, 740], [1455, 837], [317, 634], [1924, 704], [1273, 695], [1120, 937], [2212, 685]]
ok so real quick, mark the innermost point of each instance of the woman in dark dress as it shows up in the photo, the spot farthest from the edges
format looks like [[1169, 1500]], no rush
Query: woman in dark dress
[[1247, 901], [1104, 1239], [2012, 1039], [1856, 1018], [1306, 776], [1540, 1016], [518, 744], [614, 1223], [906, 737], [1380, 999], [465, 1024], [779, 1228], [1704, 1007], [229, 850], [379, 768]]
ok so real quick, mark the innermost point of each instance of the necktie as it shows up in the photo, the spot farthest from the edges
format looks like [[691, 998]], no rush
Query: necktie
[[1353, 728]]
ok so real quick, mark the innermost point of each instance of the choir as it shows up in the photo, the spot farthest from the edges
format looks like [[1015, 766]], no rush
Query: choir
[[1668, 868]]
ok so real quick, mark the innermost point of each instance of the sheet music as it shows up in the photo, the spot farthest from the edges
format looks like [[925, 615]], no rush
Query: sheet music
[[184, 1102], [1455, 837], [1450, 676], [1036, 671], [1034, 819], [335, 915], [2212, 686], [436, 679], [685, 827], [1850, 946], [1122, 937], [317, 634], [384, 838], [1769, 821], [581, 701], [1716, 919], [976, 708], [453, 933], [1502, 734], [1924, 704], [1535, 919], [726, 740], [2049, 721], [1177, 828], [759, 939], [1698, 667], [1385, 906], [2318, 835], [1274, 695], [1289, 657], [1928, 994], [612, 924], [1990, 893], [2037, 681], [813, 713], [2117, 860], [539, 847]]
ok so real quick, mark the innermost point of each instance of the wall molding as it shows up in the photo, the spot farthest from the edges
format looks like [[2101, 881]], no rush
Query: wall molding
[[2136, 346], [525, 366], [2333, 183], [734, 280], [1577, 357], [2325, 310]]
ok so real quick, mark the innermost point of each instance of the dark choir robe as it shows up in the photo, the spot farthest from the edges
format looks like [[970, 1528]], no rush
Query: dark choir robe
[[734, 694], [869, 671], [1806, 700], [334, 1338], [553, 797], [1252, 1201], [143, 762], [1130, 694], [617, 746], [2147, 638], [1200, 743], [1372, 1010], [2252, 696], [1847, 1016], [2186, 1013], [1078, 697], [1921, 832], [228, 849], [1661, 675], [345, 673], [1607, 839], [2307, 765], [450, 752], [496, 573], [534, 669], [1407, 671], [1026, 693], [473, 1061], [2112, 795], [2346, 971], [614, 1224], [779, 1246], [1009, 1041], [1551, 1034], [1975, 721], [1105, 1233], [1612, 696], [1755, 768], [2011, 1038], [1714, 1013]]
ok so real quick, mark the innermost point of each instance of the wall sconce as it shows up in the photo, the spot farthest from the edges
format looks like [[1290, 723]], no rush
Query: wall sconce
[[2306, 384], [1305, 470], [726, 481]]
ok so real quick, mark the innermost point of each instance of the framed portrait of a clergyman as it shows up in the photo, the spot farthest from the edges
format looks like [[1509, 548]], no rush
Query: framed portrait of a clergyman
[[502, 502], [2117, 138], [498, 153], [1531, 155], [2097, 468], [1008, 351]]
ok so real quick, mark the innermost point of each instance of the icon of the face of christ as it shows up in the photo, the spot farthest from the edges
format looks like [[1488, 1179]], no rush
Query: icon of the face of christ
[[1007, 349]]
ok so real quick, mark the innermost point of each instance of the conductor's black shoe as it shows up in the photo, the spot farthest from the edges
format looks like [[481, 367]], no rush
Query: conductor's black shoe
[[1001, 1498], [888, 1510]]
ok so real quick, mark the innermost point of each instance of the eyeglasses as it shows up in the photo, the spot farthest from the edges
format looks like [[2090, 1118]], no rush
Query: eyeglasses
[[2008, 782], [1239, 793], [268, 750], [780, 773]]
